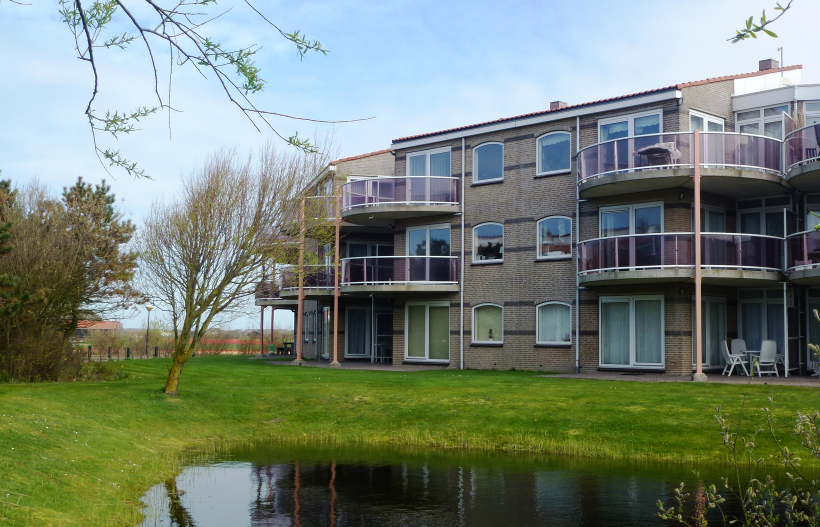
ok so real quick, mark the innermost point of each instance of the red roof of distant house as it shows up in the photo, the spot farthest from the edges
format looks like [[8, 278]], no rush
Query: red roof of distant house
[[656, 90], [99, 324], [359, 157]]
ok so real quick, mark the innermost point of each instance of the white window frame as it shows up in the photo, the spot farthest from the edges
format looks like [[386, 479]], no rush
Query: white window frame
[[761, 211], [766, 301], [429, 228], [631, 207], [709, 210], [428, 153], [537, 325], [426, 332], [706, 119], [814, 114], [474, 339], [503, 242], [706, 326], [632, 363], [538, 254], [630, 117], [475, 163], [368, 328], [538, 171], [761, 121]]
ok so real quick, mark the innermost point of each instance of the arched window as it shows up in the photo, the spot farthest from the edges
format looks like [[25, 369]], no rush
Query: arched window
[[488, 242], [553, 323], [554, 153], [488, 162], [488, 324], [555, 237]]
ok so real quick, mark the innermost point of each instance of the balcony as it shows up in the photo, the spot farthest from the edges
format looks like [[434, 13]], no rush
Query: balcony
[[803, 264], [268, 293], [653, 162], [802, 153], [376, 201], [400, 274], [319, 281], [728, 259]]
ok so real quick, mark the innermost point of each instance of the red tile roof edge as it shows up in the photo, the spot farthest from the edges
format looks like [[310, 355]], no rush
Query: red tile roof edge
[[361, 156], [104, 324], [636, 94]]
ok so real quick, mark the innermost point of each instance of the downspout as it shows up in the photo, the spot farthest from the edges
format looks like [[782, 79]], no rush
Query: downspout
[[577, 248], [461, 280]]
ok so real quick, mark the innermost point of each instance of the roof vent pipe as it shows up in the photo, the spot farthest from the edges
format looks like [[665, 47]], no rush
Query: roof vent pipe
[[557, 105]]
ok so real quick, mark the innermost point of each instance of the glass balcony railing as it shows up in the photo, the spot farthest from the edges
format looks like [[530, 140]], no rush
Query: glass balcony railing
[[803, 250], [802, 145], [400, 191], [676, 250], [316, 277], [387, 270], [717, 149], [267, 290]]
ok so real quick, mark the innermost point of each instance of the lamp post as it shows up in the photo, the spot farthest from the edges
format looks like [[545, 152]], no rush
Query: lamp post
[[149, 307]]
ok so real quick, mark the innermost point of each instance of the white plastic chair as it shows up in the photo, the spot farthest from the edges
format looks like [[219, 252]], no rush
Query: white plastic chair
[[732, 359], [738, 346], [768, 350]]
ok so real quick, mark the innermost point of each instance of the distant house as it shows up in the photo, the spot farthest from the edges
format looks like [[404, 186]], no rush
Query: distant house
[[86, 327]]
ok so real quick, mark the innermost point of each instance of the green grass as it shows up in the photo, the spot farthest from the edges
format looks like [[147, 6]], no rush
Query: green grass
[[83, 453]]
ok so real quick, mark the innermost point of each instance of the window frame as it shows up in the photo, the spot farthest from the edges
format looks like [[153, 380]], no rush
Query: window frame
[[428, 153], [427, 332], [538, 171], [473, 339], [538, 340], [631, 207], [633, 364], [475, 164], [486, 262], [428, 228], [538, 254], [706, 119], [762, 120], [630, 118]]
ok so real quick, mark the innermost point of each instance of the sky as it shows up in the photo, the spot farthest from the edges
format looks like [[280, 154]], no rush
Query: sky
[[412, 67]]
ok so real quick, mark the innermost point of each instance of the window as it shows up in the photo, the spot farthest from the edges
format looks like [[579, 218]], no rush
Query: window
[[644, 218], [427, 334], [812, 110], [631, 331], [629, 126], [488, 324], [704, 122], [555, 237], [488, 163], [553, 324], [758, 216], [488, 242], [428, 251], [431, 163], [554, 153], [766, 121]]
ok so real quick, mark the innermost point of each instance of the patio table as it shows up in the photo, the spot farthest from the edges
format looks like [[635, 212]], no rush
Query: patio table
[[752, 354]]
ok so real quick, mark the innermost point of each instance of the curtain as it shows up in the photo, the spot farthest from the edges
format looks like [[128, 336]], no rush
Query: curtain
[[717, 333], [554, 323], [357, 338], [418, 165], [487, 324], [489, 163], [752, 319], [416, 332], [440, 164], [648, 334], [774, 326], [439, 332], [615, 223], [615, 332], [556, 153]]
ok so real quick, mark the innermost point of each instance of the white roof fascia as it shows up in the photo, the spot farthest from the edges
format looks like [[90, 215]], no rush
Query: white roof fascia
[[538, 119], [808, 92], [762, 99]]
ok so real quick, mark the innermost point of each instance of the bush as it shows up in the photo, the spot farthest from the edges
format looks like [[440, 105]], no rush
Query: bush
[[34, 357]]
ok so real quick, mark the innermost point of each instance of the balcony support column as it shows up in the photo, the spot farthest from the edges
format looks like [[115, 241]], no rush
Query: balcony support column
[[272, 313], [338, 270], [300, 307], [699, 376], [262, 330]]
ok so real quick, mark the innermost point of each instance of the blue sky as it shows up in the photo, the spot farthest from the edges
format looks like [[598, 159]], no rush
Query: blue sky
[[414, 66]]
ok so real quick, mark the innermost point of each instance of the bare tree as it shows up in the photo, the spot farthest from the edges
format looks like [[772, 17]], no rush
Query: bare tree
[[203, 253]]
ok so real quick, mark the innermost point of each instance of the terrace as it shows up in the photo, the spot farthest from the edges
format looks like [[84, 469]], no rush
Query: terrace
[[374, 201]]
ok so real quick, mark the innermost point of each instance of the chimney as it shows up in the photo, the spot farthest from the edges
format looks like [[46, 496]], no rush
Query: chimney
[[557, 105], [769, 64]]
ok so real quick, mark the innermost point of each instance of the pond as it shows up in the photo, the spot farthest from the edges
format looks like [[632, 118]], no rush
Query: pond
[[274, 485]]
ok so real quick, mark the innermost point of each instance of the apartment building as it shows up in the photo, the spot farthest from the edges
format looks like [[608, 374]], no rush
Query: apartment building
[[564, 239]]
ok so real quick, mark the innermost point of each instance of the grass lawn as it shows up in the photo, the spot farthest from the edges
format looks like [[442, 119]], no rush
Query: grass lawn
[[83, 453]]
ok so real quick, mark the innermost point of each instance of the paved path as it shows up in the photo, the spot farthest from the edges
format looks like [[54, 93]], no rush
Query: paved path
[[794, 380]]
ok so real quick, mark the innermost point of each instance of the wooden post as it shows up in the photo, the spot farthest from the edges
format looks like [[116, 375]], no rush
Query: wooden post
[[300, 308], [699, 376], [338, 267], [262, 330], [272, 310]]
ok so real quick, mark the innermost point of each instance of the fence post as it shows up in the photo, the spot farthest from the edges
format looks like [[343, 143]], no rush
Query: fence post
[[156, 352], [89, 353], [127, 353], [109, 352]]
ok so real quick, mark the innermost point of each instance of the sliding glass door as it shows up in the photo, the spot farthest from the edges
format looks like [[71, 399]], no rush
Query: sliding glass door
[[713, 316], [427, 331], [631, 331], [357, 332]]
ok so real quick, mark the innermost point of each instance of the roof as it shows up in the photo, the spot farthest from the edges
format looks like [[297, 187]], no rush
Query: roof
[[362, 156], [591, 103], [98, 324]]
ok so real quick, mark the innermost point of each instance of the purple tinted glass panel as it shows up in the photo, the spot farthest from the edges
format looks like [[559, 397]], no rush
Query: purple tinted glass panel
[[399, 269], [409, 190], [802, 145]]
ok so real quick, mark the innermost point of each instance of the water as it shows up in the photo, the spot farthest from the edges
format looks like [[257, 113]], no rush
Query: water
[[269, 485]]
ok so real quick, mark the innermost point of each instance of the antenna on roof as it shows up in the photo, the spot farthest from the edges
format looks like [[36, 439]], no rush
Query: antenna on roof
[[781, 60]]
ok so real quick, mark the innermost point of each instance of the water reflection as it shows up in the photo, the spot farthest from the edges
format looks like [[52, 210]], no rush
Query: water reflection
[[268, 486]]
